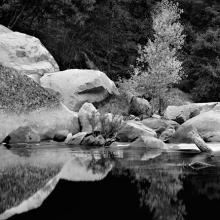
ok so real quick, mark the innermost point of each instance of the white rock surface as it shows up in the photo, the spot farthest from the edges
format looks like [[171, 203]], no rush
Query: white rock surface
[[25, 54], [88, 117], [78, 86], [47, 122], [134, 129]]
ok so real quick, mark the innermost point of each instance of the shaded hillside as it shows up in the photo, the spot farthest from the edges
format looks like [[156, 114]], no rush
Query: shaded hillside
[[19, 93]]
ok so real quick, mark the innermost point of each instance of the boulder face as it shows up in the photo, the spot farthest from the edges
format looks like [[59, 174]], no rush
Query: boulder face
[[149, 143], [25, 54], [134, 129], [24, 103], [4, 29], [75, 139], [207, 124], [22, 135], [88, 117], [140, 107], [183, 113], [79, 86], [160, 125]]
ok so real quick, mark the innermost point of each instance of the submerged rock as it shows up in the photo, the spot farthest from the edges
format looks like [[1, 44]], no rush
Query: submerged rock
[[25, 54], [79, 86], [198, 165], [134, 129]]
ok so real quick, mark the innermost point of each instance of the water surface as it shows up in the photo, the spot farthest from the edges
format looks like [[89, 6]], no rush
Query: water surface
[[119, 182]]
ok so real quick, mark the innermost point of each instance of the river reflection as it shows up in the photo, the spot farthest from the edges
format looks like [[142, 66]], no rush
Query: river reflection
[[131, 182]]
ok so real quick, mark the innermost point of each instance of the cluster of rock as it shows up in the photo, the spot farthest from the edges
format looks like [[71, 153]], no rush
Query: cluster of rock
[[38, 98], [95, 127], [39, 102]]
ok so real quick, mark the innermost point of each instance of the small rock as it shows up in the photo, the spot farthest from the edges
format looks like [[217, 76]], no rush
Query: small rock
[[88, 141], [75, 139], [167, 134], [88, 118], [22, 135], [60, 136], [99, 141], [140, 106]]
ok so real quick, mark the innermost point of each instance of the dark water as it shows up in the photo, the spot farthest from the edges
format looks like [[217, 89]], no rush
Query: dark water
[[126, 183]]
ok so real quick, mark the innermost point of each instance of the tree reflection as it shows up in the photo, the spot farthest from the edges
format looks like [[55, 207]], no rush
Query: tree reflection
[[158, 187]]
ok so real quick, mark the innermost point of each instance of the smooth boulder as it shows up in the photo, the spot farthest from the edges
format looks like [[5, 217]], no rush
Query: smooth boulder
[[207, 124], [4, 30], [88, 118], [25, 54], [140, 107], [22, 135], [134, 129], [78, 86], [183, 113], [160, 125], [149, 143]]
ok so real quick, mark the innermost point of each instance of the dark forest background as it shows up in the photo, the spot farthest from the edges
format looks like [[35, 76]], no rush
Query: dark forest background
[[104, 35]]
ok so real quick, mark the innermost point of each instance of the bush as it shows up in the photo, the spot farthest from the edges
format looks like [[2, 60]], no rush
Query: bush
[[106, 124], [117, 105]]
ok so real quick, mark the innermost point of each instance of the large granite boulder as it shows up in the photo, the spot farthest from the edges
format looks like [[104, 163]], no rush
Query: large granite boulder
[[79, 86], [160, 125], [22, 135], [182, 113], [149, 143], [25, 54], [4, 30], [134, 129], [24, 103], [207, 124]]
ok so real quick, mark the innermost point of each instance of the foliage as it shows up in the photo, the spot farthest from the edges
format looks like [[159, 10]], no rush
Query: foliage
[[117, 105], [202, 51], [106, 124], [158, 67], [83, 34], [160, 55], [104, 34]]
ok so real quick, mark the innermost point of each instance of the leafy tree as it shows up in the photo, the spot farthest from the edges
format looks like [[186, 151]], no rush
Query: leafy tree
[[158, 66], [202, 51]]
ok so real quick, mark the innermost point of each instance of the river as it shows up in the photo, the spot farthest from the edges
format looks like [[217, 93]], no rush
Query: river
[[51, 179]]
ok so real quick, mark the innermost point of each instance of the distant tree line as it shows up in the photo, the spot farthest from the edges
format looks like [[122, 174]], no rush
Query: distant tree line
[[105, 34]]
